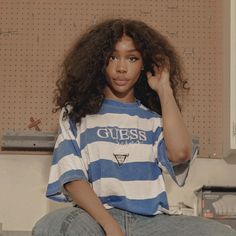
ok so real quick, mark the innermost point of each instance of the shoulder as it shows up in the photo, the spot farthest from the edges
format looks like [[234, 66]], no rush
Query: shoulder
[[149, 113], [65, 123]]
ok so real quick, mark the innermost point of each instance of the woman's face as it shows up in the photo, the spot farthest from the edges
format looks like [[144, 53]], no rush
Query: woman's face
[[123, 70]]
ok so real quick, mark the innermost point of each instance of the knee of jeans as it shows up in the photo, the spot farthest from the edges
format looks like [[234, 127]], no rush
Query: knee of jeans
[[36, 231], [39, 230]]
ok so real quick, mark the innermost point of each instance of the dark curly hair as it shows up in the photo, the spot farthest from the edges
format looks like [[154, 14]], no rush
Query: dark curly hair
[[82, 80]]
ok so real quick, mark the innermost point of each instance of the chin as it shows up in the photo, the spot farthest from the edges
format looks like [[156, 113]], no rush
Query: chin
[[122, 91], [119, 91]]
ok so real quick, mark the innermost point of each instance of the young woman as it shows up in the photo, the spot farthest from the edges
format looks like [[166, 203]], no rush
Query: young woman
[[120, 126]]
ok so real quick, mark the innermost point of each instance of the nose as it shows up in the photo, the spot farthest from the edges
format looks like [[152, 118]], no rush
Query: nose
[[121, 66]]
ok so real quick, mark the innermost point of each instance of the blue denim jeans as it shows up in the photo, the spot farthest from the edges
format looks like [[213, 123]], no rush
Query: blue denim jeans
[[74, 221]]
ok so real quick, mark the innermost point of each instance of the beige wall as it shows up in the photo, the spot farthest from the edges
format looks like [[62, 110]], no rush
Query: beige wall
[[23, 180]]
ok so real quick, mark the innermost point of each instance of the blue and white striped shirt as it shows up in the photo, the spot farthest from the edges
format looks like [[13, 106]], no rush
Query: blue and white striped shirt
[[121, 152]]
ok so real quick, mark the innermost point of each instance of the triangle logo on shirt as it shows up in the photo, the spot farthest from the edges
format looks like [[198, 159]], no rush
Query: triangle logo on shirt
[[120, 158]]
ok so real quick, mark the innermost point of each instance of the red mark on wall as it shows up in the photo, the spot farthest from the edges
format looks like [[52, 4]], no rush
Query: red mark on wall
[[34, 124]]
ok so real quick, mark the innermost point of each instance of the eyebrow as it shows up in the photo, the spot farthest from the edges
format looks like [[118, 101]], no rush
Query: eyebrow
[[130, 50]]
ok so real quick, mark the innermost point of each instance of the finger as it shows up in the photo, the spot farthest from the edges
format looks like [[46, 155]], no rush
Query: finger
[[165, 72], [156, 69], [165, 69], [159, 70], [167, 63], [149, 75]]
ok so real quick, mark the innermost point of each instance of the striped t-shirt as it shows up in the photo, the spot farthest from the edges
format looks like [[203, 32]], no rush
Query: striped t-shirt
[[121, 152]]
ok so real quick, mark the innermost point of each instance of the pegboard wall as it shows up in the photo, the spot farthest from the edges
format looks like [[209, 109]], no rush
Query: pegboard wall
[[35, 34]]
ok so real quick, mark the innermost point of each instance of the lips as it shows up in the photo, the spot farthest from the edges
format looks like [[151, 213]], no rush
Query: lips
[[121, 81]]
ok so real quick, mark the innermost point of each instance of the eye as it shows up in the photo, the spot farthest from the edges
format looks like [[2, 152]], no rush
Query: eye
[[113, 58], [133, 58]]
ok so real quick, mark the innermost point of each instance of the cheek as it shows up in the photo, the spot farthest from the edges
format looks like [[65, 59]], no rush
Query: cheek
[[136, 71], [109, 70], [138, 67]]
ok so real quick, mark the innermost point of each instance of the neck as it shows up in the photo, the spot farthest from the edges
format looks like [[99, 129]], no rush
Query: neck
[[127, 97]]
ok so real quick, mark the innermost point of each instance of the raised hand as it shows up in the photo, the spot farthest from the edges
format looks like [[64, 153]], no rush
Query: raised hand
[[159, 80]]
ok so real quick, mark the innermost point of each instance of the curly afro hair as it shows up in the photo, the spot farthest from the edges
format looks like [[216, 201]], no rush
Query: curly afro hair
[[82, 80]]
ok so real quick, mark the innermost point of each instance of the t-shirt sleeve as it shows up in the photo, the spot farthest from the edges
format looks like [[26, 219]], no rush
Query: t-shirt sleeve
[[67, 162], [178, 172]]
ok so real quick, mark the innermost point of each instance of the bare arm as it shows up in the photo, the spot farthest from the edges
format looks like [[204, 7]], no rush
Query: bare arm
[[81, 193], [177, 138]]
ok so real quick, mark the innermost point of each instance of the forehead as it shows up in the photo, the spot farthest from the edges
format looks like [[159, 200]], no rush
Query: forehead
[[125, 44]]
